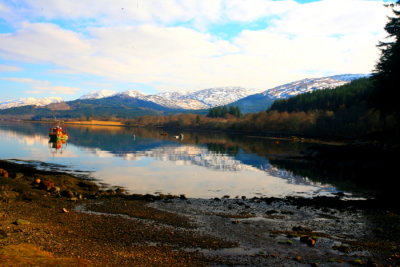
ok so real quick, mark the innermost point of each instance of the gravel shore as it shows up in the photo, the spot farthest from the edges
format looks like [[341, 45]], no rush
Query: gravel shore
[[56, 219]]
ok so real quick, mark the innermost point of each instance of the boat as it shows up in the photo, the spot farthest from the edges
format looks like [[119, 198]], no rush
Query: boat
[[58, 133]]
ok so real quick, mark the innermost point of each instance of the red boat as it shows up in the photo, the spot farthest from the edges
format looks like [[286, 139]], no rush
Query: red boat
[[58, 133]]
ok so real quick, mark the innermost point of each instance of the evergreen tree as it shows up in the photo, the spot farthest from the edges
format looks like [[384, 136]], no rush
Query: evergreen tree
[[387, 76], [221, 111], [235, 111]]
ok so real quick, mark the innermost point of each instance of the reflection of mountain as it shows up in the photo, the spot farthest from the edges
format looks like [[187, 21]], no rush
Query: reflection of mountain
[[201, 156], [118, 141], [350, 168]]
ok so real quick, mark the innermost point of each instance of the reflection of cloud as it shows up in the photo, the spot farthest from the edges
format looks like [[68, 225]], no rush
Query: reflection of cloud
[[189, 155], [179, 169], [195, 181], [186, 155], [25, 139], [100, 153], [34, 144]]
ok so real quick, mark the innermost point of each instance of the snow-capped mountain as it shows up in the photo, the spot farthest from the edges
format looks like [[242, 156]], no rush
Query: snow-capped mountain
[[132, 93], [98, 94], [249, 100], [30, 101], [176, 101], [202, 99], [308, 85], [213, 97], [349, 77]]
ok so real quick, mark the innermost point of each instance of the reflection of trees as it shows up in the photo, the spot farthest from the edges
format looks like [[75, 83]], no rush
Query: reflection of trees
[[227, 152], [352, 169]]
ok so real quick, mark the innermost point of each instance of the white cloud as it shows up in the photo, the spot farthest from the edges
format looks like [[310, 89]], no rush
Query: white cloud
[[40, 87], [320, 37], [9, 68], [250, 10], [119, 12], [333, 17]]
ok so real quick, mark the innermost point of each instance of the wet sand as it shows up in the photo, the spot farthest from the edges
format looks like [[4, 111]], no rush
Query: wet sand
[[79, 224]]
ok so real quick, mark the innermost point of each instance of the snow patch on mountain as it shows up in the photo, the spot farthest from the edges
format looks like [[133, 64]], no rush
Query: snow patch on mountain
[[349, 77], [202, 99], [133, 94], [28, 101], [310, 84], [213, 97], [98, 94]]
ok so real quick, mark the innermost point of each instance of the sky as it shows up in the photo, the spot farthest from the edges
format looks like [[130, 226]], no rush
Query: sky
[[68, 48]]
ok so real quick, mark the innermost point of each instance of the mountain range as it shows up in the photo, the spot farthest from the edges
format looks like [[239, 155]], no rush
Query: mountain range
[[134, 103]]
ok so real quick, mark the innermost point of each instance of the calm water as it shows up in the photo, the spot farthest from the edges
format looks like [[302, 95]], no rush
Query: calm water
[[143, 161]]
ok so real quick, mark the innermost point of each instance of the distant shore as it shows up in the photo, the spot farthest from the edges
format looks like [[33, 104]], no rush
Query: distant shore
[[62, 218]]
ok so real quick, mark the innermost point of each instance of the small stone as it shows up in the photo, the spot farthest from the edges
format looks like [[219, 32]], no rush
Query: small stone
[[301, 229], [311, 242], [304, 238], [287, 212], [4, 173], [340, 194], [55, 189], [285, 242], [46, 185], [21, 222], [120, 190], [270, 212], [342, 248], [356, 262], [298, 258], [68, 193], [370, 263], [3, 234], [18, 175]]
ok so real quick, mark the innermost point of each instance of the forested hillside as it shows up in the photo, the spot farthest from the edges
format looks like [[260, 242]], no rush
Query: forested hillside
[[356, 93]]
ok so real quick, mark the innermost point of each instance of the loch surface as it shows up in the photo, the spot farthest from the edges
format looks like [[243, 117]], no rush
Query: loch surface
[[201, 165]]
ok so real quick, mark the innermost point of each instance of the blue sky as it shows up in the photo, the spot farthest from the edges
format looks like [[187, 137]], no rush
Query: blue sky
[[55, 48]]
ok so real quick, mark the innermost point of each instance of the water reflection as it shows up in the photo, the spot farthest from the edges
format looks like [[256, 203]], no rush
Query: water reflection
[[57, 146], [145, 161]]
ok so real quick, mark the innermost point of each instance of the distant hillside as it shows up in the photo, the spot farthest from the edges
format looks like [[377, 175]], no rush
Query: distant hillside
[[253, 103], [132, 103], [353, 94], [115, 106], [262, 101]]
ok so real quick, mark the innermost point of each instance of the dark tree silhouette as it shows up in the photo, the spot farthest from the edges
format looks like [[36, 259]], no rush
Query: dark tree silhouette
[[387, 70]]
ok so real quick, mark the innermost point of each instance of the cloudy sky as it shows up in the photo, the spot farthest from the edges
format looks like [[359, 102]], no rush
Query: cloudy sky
[[67, 48]]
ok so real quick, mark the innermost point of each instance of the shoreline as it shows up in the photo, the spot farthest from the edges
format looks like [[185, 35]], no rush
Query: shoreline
[[74, 219], [251, 134]]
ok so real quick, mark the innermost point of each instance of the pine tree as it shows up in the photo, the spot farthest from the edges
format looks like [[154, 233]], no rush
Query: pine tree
[[387, 70]]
